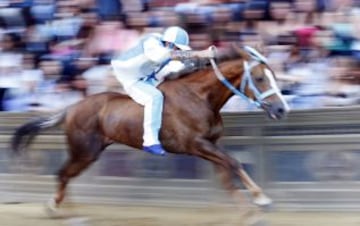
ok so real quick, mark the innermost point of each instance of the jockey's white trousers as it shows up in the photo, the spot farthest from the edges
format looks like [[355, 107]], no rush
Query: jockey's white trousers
[[152, 99]]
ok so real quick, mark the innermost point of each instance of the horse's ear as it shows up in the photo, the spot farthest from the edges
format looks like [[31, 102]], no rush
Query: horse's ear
[[242, 52]]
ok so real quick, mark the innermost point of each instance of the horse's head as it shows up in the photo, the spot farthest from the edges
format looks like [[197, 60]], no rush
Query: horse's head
[[259, 84]]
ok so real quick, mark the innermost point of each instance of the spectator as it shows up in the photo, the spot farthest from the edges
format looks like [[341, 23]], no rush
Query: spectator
[[301, 37], [109, 37], [10, 69]]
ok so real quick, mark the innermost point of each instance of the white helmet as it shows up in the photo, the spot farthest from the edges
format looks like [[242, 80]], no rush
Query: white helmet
[[178, 36]]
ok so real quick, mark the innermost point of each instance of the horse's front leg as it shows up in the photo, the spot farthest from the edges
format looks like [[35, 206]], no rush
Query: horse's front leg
[[224, 168], [225, 165], [259, 197]]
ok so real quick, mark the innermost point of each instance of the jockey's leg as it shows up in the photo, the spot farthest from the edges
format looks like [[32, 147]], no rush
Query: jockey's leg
[[152, 99]]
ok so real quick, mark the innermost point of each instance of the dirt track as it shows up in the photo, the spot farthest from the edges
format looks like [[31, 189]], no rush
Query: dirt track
[[87, 215]]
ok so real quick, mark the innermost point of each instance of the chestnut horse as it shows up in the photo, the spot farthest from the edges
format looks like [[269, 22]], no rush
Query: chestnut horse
[[191, 125]]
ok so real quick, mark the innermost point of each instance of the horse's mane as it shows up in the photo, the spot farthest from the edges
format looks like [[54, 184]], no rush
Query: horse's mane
[[228, 53], [223, 54]]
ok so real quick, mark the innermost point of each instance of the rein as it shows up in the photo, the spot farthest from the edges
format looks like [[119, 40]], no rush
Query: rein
[[246, 79]]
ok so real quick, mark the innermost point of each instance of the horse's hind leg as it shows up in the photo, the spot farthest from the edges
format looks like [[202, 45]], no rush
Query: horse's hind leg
[[72, 168], [82, 154]]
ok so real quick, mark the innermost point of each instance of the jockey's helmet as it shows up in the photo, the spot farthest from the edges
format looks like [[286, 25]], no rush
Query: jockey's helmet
[[178, 36]]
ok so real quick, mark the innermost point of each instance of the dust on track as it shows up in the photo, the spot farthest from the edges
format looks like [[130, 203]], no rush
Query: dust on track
[[33, 214]]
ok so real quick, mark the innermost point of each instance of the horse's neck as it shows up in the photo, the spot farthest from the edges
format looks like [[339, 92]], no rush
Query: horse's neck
[[209, 88]]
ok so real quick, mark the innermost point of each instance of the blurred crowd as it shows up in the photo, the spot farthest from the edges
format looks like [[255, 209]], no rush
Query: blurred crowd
[[55, 52]]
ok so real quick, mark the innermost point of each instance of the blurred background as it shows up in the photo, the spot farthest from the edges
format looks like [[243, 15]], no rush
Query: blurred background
[[56, 50], [54, 53]]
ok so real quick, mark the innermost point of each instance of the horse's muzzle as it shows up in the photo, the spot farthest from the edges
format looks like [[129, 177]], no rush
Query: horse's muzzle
[[275, 110]]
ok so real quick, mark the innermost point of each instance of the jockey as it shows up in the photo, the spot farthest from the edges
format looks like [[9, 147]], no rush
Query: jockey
[[141, 68]]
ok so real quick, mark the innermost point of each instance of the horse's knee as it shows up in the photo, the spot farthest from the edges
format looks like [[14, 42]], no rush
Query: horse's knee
[[225, 176], [229, 185], [62, 178], [236, 166], [233, 163]]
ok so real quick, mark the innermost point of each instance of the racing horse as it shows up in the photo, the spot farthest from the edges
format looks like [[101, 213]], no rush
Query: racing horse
[[192, 122]]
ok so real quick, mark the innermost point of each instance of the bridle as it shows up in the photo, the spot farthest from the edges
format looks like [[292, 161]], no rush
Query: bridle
[[248, 81]]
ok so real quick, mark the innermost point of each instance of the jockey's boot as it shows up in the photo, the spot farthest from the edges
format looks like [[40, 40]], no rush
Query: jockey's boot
[[155, 149]]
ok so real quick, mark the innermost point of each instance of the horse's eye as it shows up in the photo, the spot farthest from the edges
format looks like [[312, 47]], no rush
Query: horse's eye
[[259, 79]]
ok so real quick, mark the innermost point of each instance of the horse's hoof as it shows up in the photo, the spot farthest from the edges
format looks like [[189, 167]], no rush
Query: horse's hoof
[[77, 221], [263, 201], [51, 209], [258, 223], [256, 220]]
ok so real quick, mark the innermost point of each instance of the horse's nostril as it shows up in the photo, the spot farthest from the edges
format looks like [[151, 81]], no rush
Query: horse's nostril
[[281, 110]]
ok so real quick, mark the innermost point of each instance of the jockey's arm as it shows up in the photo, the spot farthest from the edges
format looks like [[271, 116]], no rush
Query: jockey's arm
[[191, 54], [175, 69], [171, 68], [156, 52]]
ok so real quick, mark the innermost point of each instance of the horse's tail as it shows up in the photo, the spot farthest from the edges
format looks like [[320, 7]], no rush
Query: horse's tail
[[24, 134]]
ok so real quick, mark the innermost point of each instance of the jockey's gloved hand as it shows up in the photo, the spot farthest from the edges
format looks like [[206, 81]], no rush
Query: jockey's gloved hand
[[208, 53], [213, 51]]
